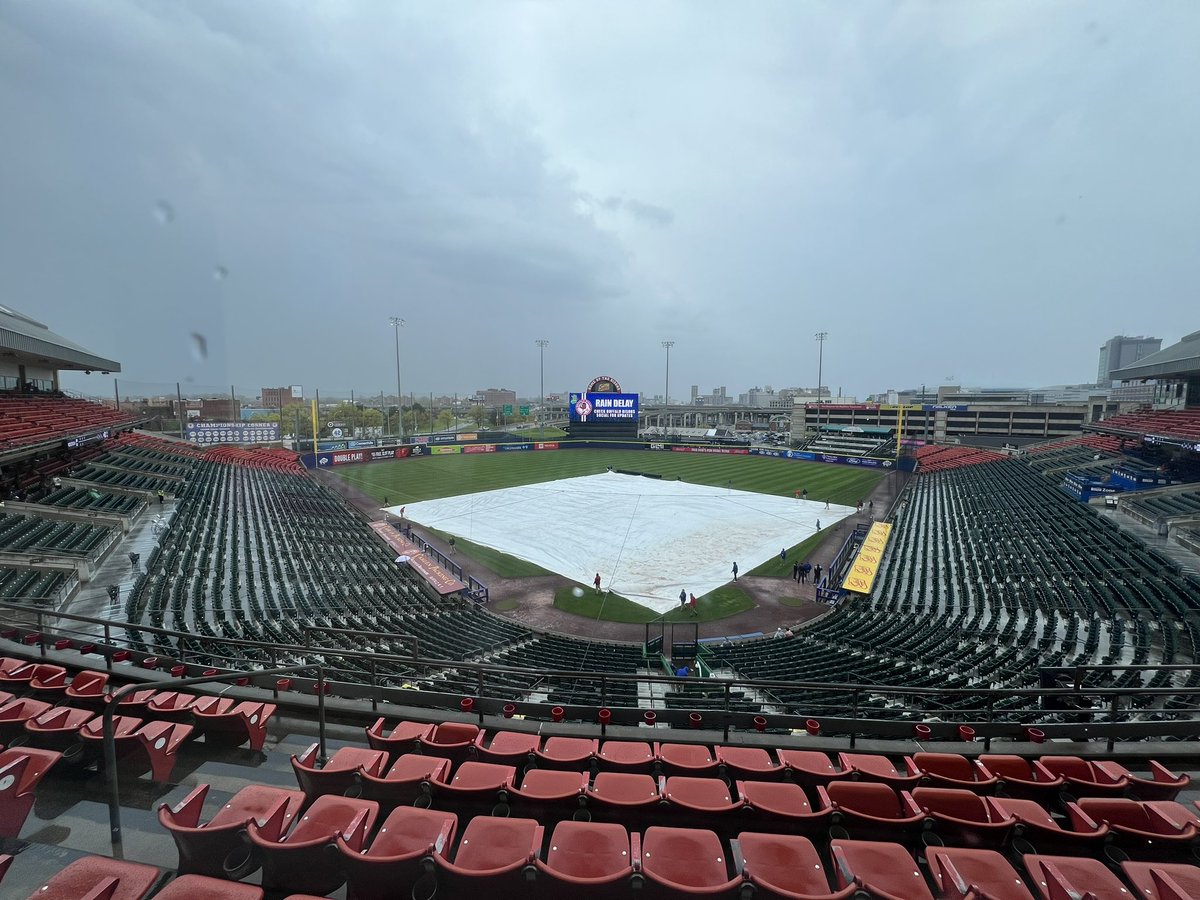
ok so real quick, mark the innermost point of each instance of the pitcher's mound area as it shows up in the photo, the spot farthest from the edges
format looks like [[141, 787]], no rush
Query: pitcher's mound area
[[648, 538]]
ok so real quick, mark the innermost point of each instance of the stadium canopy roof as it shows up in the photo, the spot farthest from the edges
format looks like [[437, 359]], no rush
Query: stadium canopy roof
[[1178, 359], [29, 341]]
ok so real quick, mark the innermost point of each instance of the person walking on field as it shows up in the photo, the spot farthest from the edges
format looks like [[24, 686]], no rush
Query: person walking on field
[[682, 598], [596, 582], [692, 604], [817, 574], [735, 571], [796, 570]]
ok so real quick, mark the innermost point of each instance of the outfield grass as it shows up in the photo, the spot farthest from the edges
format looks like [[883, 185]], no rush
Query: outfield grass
[[430, 477], [727, 600]]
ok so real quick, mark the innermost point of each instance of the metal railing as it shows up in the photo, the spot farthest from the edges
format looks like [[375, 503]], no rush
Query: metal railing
[[1078, 710]]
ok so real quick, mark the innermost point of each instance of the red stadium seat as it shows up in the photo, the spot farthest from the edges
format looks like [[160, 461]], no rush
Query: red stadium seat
[[1086, 778], [1020, 777], [782, 803], [404, 738], [784, 865], [1179, 814], [951, 770], [622, 794], [963, 818], [884, 870], [171, 705], [1163, 784], [754, 763], [227, 719], [204, 848], [684, 759], [478, 783], [136, 703], [58, 728], [100, 877], [1067, 877], [491, 858], [201, 887], [964, 874], [16, 673], [544, 790], [626, 756], [1039, 828], [48, 679], [810, 767], [393, 862], [870, 809], [410, 776], [21, 770], [871, 767], [686, 861], [512, 748], [88, 688], [293, 861], [587, 858], [338, 773], [1138, 828], [702, 796], [1163, 881], [453, 740], [567, 753], [15, 713], [156, 742]]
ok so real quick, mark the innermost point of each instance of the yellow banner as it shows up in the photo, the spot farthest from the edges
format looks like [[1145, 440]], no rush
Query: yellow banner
[[861, 576]]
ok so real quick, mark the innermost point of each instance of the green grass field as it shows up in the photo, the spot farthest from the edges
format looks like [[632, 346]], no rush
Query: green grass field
[[429, 477]]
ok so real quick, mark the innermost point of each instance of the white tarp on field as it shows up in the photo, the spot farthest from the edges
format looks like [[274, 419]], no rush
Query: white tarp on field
[[646, 537]]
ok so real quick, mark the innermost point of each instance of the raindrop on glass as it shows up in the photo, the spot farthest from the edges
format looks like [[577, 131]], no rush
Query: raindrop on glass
[[164, 212], [220, 273], [199, 345]]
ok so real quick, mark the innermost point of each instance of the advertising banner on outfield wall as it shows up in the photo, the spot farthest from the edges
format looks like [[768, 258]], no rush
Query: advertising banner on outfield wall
[[546, 445], [724, 451], [437, 451], [479, 448], [511, 447]]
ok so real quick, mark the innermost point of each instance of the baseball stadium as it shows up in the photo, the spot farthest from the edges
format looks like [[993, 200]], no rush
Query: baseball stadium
[[577, 658]]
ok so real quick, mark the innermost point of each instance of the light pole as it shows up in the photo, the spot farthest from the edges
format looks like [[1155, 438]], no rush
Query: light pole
[[667, 345], [397, 324], [542, 344], [820, 336]]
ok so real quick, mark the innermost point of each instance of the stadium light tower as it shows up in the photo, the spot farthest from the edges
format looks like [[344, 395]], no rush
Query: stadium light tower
[[820, 336], [667, 345], [542, 344], [397, 323]]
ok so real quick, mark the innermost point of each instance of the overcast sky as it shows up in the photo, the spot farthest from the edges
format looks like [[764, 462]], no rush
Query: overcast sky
[[987, 190]]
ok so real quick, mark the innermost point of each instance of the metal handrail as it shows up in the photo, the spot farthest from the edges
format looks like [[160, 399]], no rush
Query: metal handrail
[[110, 744]]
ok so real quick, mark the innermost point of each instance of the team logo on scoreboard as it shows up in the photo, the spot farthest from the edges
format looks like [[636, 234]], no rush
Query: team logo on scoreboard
[[604, 384], [583, 408]]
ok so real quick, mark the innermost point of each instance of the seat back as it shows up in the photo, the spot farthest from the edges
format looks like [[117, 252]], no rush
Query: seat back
[[948, 765], [492, 844], [957, 804], [866, 798], [1028, 812], [410, 831], [451, 733], [1122, 813], [1007, 766], [782, 862], [1069, 767], [688, 857], [588, 850]]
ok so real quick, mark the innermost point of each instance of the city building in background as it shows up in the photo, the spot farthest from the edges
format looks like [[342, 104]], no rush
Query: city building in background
[[1121, 351]]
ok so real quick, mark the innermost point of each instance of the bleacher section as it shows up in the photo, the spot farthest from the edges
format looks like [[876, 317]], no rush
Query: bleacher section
[[273, 458], [993, 572], [1111, 446], [28, 534], [1186, 503], [30, 584], [1183, 424], [943, 459], [256, 553], [32, 419], [848, 444]]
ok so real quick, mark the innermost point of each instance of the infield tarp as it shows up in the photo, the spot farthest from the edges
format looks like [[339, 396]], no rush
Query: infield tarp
[[648, 538]]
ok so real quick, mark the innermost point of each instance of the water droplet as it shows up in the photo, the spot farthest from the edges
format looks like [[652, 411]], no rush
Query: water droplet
[[199, 344], [164, 212], [220, 273]]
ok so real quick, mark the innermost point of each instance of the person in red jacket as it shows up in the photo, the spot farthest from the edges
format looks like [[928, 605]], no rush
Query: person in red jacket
[[596, 582]]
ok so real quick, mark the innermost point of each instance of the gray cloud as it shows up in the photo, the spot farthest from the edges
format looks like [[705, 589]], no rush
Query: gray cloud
[[982, 190]]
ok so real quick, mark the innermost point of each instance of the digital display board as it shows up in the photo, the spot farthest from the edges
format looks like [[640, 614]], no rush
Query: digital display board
[[589, 407], [232, 432]]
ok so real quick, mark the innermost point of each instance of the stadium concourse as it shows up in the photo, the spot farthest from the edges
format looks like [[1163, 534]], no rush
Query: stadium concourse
[[1010, 713]]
